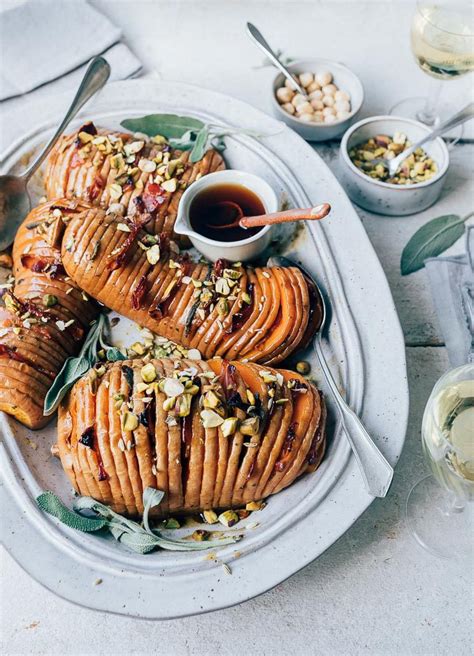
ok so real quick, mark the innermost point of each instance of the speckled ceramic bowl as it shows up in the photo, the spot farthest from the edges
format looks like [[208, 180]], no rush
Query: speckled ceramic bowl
[[382, 197], [343, 78]]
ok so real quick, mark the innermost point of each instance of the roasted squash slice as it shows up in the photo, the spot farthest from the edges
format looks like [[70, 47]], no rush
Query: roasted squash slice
[[258, 314], [45, 315], [114, 169], [210, 435]]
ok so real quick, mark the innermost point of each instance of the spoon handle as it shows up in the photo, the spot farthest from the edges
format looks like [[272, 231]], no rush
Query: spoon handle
[[460, 117], [259, 40], [95, 77], [376, 471], [309, 214]]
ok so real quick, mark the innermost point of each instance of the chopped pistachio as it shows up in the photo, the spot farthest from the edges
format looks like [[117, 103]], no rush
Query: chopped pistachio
[[255, 505], [169, 404], [200, 535], [129, 421], [246, 298], [229, 426], [210, 517], [228, 518], [148, 372], [123, 227], [210, 419], [138, 348], [169, 185], [250, 397], [172, 387], [171, 523], [184, 405], [211, 400], [153, 254], [303, 367], [250, 426], [194, 354], [49, 300]]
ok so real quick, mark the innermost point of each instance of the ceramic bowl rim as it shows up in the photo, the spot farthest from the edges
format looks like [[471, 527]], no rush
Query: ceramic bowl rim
[[329, 62], [388, 185], [206, 182]]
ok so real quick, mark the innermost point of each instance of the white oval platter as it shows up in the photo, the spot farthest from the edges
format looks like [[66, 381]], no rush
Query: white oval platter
[[365, 348]]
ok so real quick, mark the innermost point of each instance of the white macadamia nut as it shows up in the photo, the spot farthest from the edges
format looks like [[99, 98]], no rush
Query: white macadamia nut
[[341, 95], [306, 118], [314, 86], [316, 95], [284, 94], [304, 108], [342, 106], [329, 111], [330, 118], [342, 115], [323, 78], [288, 107], [329, 90], [318, 117], [297, 99], [306, 79], [317, 104], [328, 101], [289, 85]]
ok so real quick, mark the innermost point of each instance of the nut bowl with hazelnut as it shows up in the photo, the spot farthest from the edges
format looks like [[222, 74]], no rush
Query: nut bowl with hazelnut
[[335, 96], [417, 184]]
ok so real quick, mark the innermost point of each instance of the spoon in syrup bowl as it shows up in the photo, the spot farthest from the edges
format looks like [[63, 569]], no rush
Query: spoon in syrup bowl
[[229, 216], [15, 202]]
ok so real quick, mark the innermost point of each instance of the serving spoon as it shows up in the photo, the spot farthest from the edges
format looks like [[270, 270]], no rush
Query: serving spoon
[[15, 201], [258, 39], [376, 471], [392, 165], [287, 216]]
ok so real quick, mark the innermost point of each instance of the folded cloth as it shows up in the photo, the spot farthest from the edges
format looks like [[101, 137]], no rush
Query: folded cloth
[[452, 287], [43, 41]]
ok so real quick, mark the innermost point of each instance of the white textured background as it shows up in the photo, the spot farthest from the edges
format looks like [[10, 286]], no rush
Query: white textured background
[[375, 591]]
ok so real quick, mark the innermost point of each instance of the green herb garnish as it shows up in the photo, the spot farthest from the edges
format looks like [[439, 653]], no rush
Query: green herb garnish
[[75, 367], [140, 538], [431, 240], [185, 133]]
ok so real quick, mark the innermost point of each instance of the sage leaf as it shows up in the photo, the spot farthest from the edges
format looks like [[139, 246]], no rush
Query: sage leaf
[[151, 499], [114, 354], [167, 125], [71, 371], [430, 240], [200, 145], [51, 504]]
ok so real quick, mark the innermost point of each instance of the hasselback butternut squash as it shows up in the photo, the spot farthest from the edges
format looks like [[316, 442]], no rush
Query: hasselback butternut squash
[[45, 315], [260, 314], [214, 434], [115, 169]]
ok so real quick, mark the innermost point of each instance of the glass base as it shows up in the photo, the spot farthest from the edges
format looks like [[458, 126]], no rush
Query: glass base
[[413, 108], [436, 523]]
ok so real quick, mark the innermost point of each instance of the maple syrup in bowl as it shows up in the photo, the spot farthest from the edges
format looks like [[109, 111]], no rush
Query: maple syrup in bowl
[[220, 205], [219, 198]]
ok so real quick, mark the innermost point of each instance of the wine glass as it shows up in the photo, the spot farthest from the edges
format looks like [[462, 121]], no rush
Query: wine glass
[[442, 42], [438, 510]]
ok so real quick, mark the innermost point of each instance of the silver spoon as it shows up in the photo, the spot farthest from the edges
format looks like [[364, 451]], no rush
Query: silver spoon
[[376, 471], [258, 39], [394, 164], [15, 202]]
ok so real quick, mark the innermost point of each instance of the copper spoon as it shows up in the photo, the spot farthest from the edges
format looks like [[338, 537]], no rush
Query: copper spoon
[[241, 221]]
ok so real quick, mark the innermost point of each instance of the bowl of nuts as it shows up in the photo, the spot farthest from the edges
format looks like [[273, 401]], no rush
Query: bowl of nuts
[[334, 96], [418, 182]]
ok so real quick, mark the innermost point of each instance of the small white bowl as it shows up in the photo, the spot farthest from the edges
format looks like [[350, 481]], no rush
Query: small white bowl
[[234, 251], [343, 78], [382, 197]]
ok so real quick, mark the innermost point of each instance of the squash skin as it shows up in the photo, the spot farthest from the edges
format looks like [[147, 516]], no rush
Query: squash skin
[[216, 471], [31, 360], [70, 175], [270, 331]]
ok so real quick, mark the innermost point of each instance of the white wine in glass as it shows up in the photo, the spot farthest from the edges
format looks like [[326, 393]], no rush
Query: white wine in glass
[[438, 507], [442, 42]]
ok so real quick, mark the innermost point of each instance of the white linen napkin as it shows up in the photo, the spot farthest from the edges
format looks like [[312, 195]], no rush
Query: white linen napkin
[[452, 287], [46, 44]]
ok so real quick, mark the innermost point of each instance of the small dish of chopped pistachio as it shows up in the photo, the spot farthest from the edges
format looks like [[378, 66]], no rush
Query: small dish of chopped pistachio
[[418, 182], [418, 167]]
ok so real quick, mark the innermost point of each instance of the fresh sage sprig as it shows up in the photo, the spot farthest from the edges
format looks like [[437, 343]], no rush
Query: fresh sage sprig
[[431, 240], [139, 538], [185, 133], [75, 367]]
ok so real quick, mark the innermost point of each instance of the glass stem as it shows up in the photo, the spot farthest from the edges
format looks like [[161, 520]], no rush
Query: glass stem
[[428, 114], [454, 505]]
